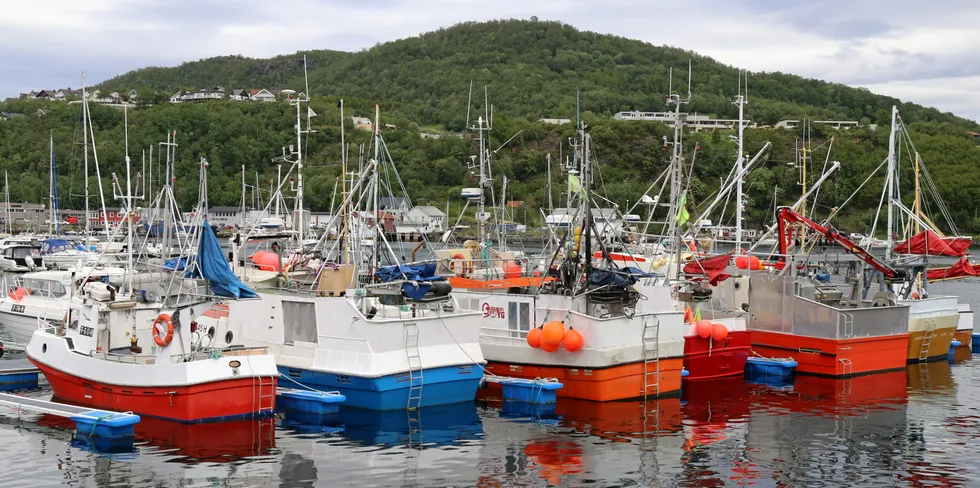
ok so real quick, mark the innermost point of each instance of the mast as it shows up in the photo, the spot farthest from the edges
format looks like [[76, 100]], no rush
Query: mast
[[51, 184], [676, 165], [586, 199], [98, 175], [241, 222], [88, 220], [375, 259], [342, 234], [740, 102], [551, 205], [6, 200], [889, 182]]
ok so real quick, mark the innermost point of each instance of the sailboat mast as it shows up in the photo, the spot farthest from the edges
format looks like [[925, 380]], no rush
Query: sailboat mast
[[740, 102], [375, 259], [88, 221], [6, 199], [889, 182], [130, 208], [586, 199], [51, 183], [551, 204]]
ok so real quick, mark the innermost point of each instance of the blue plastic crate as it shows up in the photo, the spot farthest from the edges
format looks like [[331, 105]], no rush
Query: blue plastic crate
[[315, 402], [975, 344], [106, 425], [769, 367], [536, 391]]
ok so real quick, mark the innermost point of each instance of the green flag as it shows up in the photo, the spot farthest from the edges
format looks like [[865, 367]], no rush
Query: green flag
[[697, 315], [575, 185], [682, 215]]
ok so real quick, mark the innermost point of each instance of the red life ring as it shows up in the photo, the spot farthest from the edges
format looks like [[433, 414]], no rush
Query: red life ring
[[162, 336], [465, 265]]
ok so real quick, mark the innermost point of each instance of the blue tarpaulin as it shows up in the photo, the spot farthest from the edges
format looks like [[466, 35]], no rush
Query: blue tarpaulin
[[619, 277], [418, 272], [212, 266]]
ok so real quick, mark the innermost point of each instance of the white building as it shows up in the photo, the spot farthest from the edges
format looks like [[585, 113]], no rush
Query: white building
[[225, 216], [396, 206], [262, 95], [834, 124], [427, 219], [694, 121]]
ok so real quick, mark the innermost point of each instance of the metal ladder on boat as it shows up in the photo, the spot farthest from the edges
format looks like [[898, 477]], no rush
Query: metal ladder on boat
[[651, 351], [927, 339], [414, 367], [267, 395]]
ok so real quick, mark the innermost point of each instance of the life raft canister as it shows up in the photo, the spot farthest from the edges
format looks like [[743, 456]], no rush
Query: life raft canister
[[163, 330]]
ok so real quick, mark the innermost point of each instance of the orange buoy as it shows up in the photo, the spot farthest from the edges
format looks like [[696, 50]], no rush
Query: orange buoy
[[719, 332], [552, 333], [704, 328], [549, 347], [754, 262], [742, 262], [534, 337], [19, 293], [573, 340]]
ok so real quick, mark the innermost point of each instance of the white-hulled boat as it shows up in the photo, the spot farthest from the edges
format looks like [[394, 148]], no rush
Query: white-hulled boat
[[44, 296], [20, 255]]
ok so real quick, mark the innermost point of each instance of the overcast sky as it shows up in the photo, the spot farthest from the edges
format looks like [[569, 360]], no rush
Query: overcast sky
[[924, 52]]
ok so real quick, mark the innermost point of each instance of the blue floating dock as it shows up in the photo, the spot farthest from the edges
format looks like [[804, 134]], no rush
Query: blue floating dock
[[114, 428], [538, 391], [309, 401], [18, 374]]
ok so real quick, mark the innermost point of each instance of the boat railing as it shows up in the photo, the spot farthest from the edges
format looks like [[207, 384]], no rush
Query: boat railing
[[214, 353], [503, 335]]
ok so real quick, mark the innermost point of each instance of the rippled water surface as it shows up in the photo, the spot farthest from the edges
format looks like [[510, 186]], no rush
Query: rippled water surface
[[918, 427]]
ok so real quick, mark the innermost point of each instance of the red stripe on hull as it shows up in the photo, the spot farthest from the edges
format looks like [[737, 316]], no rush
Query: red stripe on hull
[[838, 358], [218, 400], [707, 358], [621, 382]]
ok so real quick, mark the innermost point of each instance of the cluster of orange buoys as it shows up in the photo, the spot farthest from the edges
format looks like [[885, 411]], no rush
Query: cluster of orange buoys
[[552, 335], [705, 328], [266, 260]]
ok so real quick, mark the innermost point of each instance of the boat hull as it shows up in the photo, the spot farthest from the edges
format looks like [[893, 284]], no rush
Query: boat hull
[[206, 402], [440, 386], [19, 326], [834, 357], [708, 359], [936, 342], [965, 336], [620, 382]]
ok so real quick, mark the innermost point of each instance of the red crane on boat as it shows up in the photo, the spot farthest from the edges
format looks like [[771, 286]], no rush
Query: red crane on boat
[[786, 216]]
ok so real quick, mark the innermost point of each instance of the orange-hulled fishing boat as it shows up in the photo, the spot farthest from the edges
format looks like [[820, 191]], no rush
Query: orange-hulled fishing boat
[[829, 329]]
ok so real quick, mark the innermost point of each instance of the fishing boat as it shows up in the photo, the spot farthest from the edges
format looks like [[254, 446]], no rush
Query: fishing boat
[[387, 337], [828, 328], [582, 325], [43, 296], [934, 320], [94, 357]]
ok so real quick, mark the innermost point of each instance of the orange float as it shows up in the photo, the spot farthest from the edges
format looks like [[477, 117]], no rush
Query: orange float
[[742, 262], [534, 337], [573, 340], [552, 333], [705, 328], [163, 330], [546, 347], [719, 332]]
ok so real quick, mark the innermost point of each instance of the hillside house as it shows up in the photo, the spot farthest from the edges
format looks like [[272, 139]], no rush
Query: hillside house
[[555, 121], [132, 95], [216, 93], [262, 95], [238, 94], [427, 219], [176, 97], [834, 124], [362, 123]]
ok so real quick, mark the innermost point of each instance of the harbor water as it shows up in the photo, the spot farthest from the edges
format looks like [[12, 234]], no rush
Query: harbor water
[[917, 427]]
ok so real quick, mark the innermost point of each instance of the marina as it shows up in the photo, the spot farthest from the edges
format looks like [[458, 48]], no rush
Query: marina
[[603, 270]]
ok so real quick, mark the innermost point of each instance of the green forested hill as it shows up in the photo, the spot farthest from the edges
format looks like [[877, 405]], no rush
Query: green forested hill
[[533, 70]]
